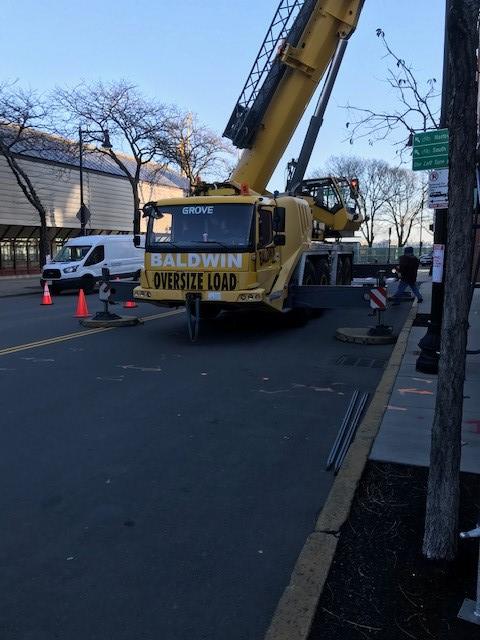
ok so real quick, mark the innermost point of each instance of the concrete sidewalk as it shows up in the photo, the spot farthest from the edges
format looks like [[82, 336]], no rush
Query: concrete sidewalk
[[19, 285], [404, 435]]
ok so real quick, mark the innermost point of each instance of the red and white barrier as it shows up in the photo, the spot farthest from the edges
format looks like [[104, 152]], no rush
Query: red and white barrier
[[378, 298]]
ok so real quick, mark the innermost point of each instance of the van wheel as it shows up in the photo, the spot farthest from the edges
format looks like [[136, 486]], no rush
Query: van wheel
[[87, 283], [137, 275], [54, 290]]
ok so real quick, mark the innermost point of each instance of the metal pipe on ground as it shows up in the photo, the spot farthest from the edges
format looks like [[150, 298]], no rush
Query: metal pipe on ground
[[341, 432], [351, 431]]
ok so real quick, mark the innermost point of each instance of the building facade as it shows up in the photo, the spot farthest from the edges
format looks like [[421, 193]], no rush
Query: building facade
[[107, 194]]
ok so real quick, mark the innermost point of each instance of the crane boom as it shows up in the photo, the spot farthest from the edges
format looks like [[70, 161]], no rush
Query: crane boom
[[294, 56]]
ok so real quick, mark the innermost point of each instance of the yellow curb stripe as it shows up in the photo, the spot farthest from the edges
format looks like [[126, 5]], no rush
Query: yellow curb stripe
[[294, 614], [78, 334]]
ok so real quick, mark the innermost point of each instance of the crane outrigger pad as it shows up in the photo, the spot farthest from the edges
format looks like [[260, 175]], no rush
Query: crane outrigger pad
[[328, 297]]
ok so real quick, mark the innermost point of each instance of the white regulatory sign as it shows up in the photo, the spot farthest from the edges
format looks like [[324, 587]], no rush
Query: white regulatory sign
[[438, 260], [438, 189]]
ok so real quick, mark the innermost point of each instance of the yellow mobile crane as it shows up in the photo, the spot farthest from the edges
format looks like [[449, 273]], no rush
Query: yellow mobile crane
[[232, 244]]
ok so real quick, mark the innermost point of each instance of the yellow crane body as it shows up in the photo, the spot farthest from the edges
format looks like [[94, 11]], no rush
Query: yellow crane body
[[231, 245]]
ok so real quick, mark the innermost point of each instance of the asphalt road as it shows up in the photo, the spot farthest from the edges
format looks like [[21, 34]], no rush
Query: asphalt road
[[157, 489]]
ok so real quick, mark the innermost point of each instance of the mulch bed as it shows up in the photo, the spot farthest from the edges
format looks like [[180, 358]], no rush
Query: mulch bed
[[380, 585]]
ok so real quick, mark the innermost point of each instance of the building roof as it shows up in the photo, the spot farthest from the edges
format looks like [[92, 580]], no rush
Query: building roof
[[44, 146]]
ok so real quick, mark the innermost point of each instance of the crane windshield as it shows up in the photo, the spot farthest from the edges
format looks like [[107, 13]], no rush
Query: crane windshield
[[200, 226]]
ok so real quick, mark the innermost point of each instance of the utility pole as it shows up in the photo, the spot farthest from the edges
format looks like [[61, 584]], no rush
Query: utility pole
[[427, 361], [83, 222], [441, 523], [84, 213]]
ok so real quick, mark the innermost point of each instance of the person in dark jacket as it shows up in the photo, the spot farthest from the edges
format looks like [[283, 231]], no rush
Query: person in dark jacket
[[408, 267]]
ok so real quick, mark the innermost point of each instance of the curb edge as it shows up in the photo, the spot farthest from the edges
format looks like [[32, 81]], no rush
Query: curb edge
[[296, 609]]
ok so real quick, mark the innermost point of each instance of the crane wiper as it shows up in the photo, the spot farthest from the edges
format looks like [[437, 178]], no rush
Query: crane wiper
[[220, 244]]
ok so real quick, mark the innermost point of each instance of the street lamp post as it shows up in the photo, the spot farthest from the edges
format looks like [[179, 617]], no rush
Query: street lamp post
[[427, 361], [84, 213], [389, 243], [421, 228]]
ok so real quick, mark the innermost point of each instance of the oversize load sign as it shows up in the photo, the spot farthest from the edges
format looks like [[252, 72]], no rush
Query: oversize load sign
[[430, 150], [191, 281]]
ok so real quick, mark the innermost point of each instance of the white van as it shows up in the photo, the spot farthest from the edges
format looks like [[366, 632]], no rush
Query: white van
[[79, 263]]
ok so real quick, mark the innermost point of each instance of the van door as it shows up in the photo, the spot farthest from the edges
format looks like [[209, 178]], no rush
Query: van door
[[128, 259], [115, 251]]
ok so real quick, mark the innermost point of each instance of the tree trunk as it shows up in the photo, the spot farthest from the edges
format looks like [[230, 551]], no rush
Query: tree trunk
[[29, 191], [44, 244], [440, 539], [137, 214]]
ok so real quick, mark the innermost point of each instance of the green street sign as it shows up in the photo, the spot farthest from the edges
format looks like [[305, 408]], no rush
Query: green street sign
[[430, 162], [430, 150], [431, 137]]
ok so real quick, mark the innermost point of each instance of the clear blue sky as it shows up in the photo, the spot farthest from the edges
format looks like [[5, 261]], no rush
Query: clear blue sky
[[198, 54]]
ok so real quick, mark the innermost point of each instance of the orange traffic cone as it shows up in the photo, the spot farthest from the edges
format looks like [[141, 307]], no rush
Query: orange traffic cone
[[46, 298], [130, 304], [82, 309]]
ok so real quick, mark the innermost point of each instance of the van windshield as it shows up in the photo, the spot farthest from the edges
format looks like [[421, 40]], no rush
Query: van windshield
[[72, 253]]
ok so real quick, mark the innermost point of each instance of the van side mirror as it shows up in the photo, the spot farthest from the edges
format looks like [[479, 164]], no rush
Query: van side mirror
[[279, 219], [279, 241], [137, 240]]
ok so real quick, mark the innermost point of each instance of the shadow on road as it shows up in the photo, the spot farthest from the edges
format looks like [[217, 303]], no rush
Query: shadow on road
[[245, 326]]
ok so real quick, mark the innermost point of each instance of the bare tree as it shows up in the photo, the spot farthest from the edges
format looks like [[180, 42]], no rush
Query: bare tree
[[443, 499], [418, 106], [404, 202], [196, 150], [22, 112], [118, 112], [371, 174]]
